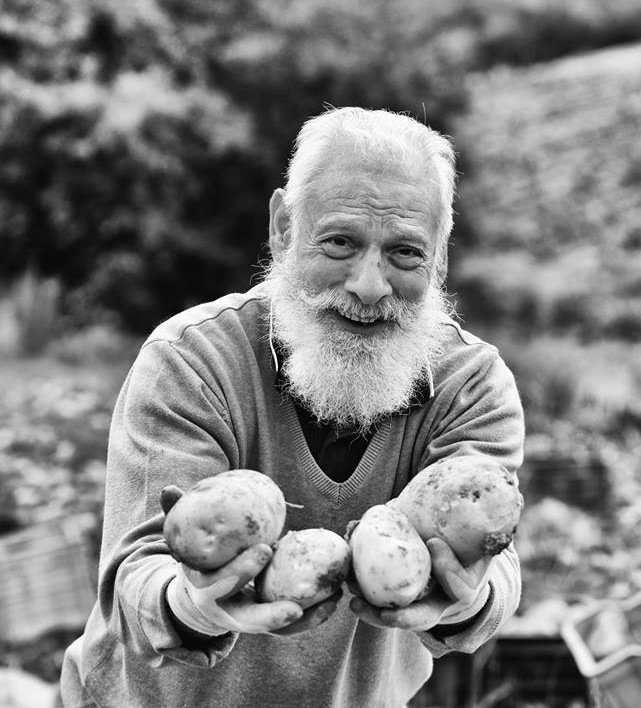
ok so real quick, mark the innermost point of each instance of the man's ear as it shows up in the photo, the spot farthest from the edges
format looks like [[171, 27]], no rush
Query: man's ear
[[280, 230]]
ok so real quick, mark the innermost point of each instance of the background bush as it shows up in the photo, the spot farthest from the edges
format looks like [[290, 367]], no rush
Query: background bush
[[139, 142]]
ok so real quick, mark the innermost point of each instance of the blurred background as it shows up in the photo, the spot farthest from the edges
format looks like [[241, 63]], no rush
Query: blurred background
[[139, 144]]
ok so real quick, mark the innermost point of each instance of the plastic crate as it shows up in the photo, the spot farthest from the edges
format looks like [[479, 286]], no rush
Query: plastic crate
[[47, 578], [507, 672], [580, 480], [615, 676]]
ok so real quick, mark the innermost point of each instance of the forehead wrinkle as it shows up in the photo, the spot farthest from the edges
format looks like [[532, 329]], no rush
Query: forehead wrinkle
[[347, 218], [360, 199], [366, 207], [358, 213], [345, 196]]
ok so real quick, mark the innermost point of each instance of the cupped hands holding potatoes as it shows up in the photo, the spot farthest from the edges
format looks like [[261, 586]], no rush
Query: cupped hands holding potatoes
[[224, 532], [420, 560], [453, 594], [465, 511]]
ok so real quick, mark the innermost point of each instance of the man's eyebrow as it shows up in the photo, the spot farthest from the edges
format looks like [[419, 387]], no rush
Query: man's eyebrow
[[341, 222], [411, 233]]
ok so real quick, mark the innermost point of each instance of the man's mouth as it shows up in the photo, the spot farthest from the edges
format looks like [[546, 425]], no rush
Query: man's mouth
[[363, 319], [360, 321]]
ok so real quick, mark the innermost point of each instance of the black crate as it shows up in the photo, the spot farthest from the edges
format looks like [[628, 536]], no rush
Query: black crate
[[508, 672]]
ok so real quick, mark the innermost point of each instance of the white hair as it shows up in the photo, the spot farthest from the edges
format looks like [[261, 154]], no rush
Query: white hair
[[381, 137]]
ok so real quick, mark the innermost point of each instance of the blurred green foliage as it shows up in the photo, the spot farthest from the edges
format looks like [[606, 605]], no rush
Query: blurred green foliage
[[140, 141]]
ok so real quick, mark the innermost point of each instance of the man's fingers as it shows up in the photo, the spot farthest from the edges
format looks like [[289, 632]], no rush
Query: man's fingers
[[367, 613], [447, 569], [457, 581], [234, 575], [261, 617], [419, 616], [480, 570], [250, 562], [312, 617], [441, 554], [457, 589], [169, 496], [352, 583]]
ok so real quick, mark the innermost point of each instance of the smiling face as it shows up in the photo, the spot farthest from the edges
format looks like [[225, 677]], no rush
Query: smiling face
[[366, 234], [353, 300]]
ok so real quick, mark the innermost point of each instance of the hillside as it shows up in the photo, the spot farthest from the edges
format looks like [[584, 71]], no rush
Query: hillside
[[555, 152], [551, 193], [551, 190]]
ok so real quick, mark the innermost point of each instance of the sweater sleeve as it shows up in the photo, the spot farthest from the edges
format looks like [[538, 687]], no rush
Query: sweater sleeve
[[505, 593], [169, 427], [481, 414], [484, 416]]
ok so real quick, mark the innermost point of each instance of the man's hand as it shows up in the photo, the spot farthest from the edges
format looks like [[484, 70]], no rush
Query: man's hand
[[460, 593], [220, 601]]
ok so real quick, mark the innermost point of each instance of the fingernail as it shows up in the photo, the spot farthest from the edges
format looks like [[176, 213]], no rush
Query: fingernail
[[434, 544], [263, 555]]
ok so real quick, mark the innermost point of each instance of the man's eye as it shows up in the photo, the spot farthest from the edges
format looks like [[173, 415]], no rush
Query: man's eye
[[408, 257], [337, 247]]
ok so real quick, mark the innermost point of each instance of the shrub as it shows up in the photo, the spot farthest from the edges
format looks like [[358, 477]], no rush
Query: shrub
[[95, 345], [30, 314]]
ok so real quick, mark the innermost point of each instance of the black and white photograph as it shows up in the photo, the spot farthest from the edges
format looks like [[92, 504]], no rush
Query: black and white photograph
[[320, 354]]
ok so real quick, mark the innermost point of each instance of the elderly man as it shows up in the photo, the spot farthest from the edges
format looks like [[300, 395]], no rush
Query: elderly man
[[341, 376]]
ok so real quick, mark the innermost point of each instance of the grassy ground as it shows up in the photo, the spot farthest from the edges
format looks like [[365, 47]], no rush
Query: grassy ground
[[54, 420], [54, 417]]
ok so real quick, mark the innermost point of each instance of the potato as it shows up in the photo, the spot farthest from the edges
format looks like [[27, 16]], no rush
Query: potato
[[473, 503], [221, 516], [391, 563], [307, 566]]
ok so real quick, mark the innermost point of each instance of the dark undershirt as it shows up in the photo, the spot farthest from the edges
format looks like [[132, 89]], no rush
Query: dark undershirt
[[336, 451]]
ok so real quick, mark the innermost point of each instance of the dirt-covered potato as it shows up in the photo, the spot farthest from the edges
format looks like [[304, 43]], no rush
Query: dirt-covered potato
[[307, 566], [221, 516], [473, 503], [391, 562]]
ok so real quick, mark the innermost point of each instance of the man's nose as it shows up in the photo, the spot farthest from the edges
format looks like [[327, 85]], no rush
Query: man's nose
[[367, 279]]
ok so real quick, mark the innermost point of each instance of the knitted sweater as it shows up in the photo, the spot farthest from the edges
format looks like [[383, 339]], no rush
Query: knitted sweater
[[200, 399]]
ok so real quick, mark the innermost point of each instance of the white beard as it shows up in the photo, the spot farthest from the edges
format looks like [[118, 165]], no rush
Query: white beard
[[343, 378]]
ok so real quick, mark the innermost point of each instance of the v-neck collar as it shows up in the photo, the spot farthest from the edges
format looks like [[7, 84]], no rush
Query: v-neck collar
[[336, 492]]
